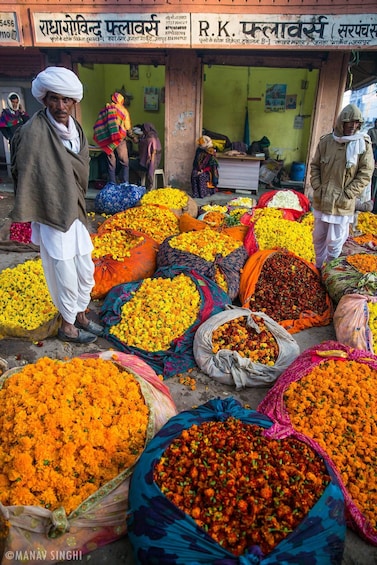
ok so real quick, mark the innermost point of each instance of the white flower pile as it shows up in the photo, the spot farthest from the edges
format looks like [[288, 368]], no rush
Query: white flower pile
[[285, 199]]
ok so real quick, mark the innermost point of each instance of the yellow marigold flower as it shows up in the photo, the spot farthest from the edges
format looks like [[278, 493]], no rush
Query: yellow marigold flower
[[173, 198], [68, 427], [118, 244], [205, 243], [372, 322], [275, 232], [160, 311], [215, 208], [25, 300], [367, 222], [159, 223]]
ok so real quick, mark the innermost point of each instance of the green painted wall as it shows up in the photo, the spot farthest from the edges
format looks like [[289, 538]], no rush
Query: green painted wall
[[226, 90], [226, 93]]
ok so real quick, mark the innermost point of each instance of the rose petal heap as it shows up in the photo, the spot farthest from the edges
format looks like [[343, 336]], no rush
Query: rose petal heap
[[236, 335], [160, 311], [68, 427], [20, 231], [335, 404], [242, 488], [156, 221], [296, 289]]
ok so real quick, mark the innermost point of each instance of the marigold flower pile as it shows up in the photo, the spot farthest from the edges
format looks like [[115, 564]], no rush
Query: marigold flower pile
[[236, 335], [335, 404], [214, 208], [285, 199], [363, 262], [68, 427], [25, 301], [243, 201], [159, 223], [296, 237], [160, 311], [215, 219], [173, 198], [367, 222], [117, 244], [286, 287], [242, 488], [205, 243], [365, 239], [307, 220]]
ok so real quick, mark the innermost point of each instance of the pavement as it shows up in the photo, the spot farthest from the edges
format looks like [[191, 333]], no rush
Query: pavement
[[17, 352]]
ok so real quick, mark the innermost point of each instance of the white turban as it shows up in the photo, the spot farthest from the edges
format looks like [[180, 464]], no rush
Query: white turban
[[59, 80]]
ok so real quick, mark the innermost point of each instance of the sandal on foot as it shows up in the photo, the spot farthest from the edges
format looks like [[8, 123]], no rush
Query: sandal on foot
[[81, 337], [92, 327]]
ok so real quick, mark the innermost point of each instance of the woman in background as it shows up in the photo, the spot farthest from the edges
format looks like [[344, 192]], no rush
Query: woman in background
[[205, 175], [13, 116]]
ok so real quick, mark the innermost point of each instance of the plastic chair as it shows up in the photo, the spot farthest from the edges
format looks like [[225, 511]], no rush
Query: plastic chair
[[158, 173]]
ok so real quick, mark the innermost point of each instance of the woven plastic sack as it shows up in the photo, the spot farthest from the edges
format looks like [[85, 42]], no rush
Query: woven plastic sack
[[140, 264], [115, 198], [351, 322], [179, 357], [274, 407], [229, 266], [163, 196], [161, 533], [101, 518], [227, 366], [341, 278]]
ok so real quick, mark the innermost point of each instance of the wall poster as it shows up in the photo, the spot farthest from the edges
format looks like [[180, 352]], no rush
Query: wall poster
[[275, 97]]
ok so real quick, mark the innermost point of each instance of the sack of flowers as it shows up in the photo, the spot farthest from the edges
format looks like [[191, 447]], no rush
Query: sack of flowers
[[157, 318], [174, 198], [243, 348], [72, 432], [287, 288], [293, 203], [26, 309], [188, 223], [113, 198], [356, 273], [119, 256], [269, 230], [328, 396], [355, 321], [211, 488], [158, 222], [215, 255], [363, 243]]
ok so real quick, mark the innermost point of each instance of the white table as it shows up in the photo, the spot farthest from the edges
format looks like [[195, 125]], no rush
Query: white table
[[239, 172]]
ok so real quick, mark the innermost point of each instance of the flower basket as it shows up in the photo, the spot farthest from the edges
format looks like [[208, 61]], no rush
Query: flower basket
[[187, 223], [100, 518], [328, 397], [214, 254], [254, 355], [287, 288], [157, 318], [215, 512]]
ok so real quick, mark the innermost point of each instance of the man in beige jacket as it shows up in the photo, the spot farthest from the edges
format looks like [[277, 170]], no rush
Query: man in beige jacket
[[340, 171]]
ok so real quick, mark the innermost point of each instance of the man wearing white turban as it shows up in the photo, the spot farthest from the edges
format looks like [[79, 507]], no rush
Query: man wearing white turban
[[50, 169]]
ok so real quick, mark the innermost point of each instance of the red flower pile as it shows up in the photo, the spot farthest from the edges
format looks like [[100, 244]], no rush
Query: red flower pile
[[238, 336], [20, 231], [287, 287], [242, 488]]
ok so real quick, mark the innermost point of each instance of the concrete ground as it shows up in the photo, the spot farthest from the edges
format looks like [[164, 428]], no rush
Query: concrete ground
[[16, 352]]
